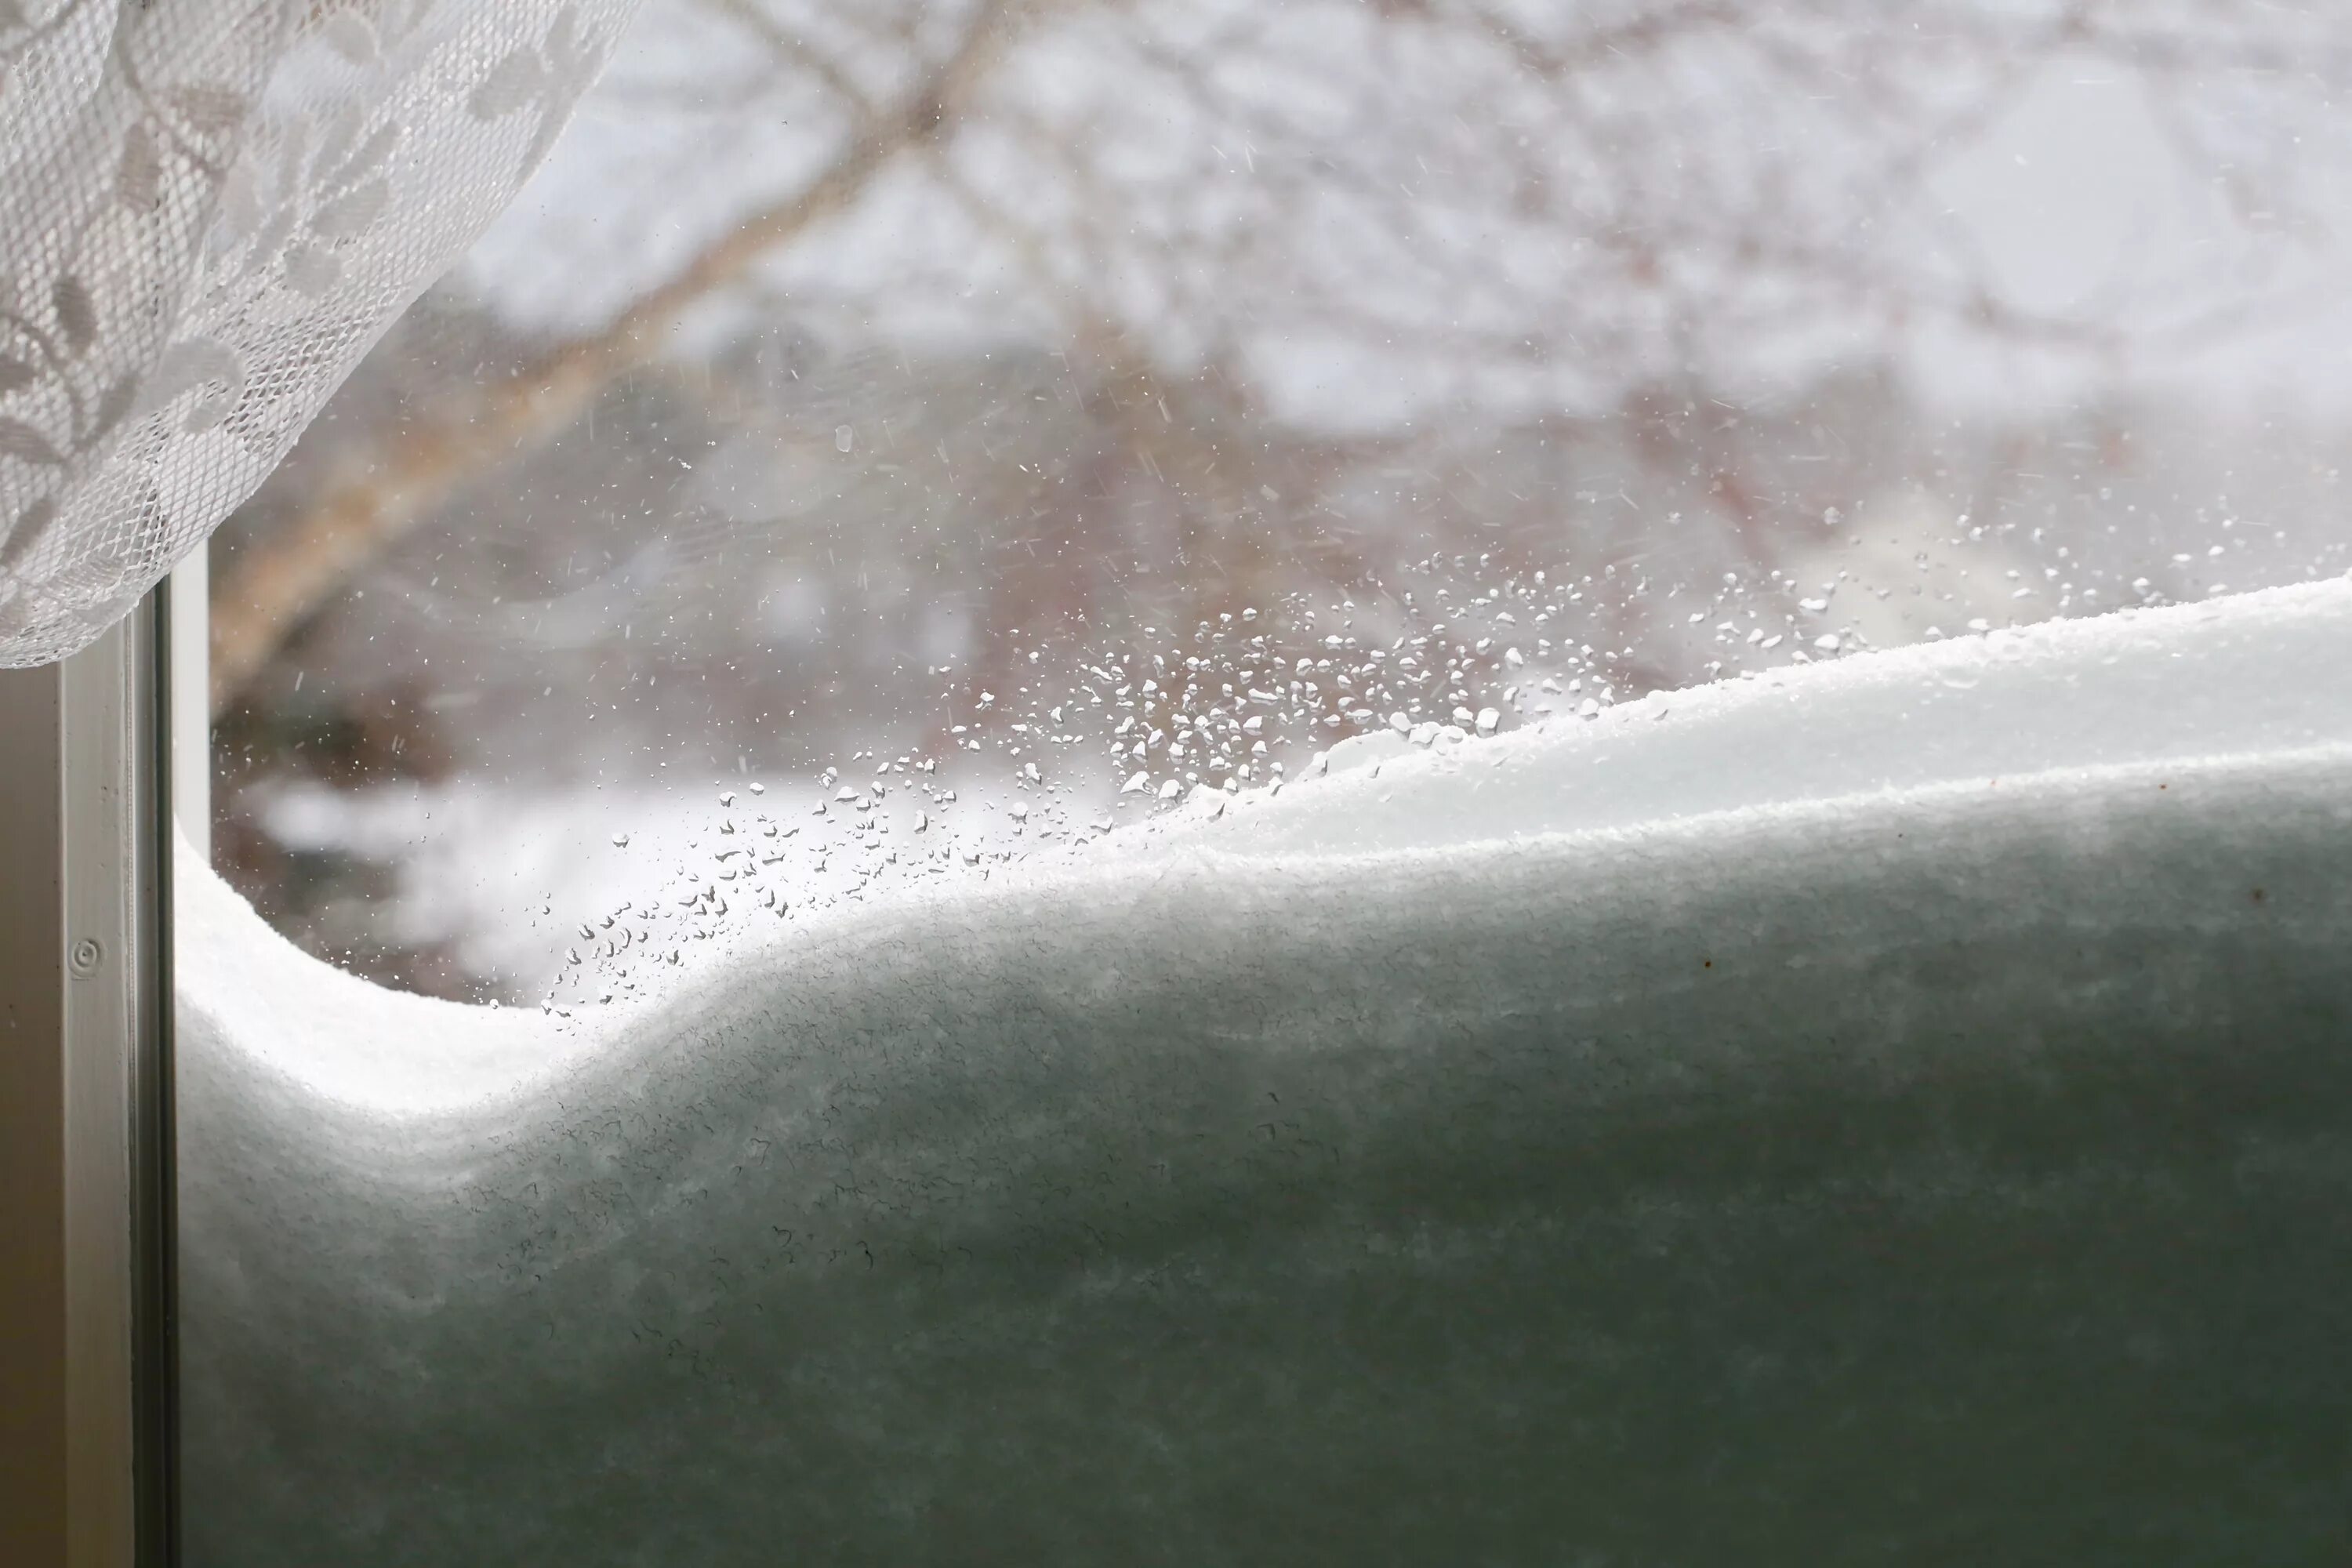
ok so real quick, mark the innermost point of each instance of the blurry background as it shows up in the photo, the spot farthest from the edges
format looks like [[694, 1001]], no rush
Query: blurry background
[[893, 435]]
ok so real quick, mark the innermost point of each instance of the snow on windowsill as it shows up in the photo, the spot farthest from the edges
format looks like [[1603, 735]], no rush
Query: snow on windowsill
[[1907, 1086]]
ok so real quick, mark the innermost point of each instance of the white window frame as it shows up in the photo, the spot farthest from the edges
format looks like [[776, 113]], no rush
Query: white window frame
[[89, 772]]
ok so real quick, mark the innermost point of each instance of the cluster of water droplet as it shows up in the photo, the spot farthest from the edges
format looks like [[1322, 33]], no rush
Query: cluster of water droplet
[[1092, 734]]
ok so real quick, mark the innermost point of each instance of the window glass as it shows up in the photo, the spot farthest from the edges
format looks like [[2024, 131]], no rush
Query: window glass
[[901, 454], [890, 439]]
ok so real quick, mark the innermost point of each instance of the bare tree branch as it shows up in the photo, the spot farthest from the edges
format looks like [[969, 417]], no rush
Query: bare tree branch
[[402, 482], [1558, 201]]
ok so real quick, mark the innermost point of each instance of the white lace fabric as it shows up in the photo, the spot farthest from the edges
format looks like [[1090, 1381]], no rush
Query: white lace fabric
[[209, 210]]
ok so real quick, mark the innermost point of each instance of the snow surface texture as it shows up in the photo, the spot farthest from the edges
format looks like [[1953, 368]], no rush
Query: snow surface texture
[[1900, 1110]]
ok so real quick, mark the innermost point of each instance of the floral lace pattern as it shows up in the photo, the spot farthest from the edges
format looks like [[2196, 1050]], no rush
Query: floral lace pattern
[[209, 210]]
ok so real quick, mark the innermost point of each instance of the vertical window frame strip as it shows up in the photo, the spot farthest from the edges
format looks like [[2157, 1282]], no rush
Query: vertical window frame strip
[[87, 1211], [176, 612]]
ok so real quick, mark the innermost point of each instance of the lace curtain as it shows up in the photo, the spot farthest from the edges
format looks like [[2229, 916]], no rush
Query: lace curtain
[[209, 210]]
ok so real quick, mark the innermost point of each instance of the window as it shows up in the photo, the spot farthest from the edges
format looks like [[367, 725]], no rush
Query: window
[[1333, 781]]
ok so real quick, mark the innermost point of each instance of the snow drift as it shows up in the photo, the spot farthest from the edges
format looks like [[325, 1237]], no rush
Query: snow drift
[[1900, 1110]]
